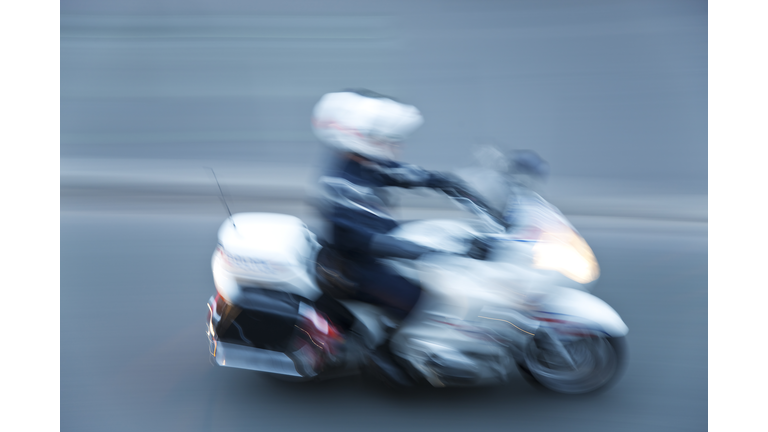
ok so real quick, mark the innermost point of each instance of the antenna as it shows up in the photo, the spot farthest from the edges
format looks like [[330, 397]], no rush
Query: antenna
[[222, 197]]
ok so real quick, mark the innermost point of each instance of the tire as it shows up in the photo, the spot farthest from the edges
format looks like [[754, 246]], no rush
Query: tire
[[600, 362]]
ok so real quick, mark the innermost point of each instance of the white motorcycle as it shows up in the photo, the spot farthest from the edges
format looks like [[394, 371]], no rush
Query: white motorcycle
[[524, 305]]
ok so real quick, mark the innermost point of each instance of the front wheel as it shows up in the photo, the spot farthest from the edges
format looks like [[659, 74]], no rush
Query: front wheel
[[595, 363]]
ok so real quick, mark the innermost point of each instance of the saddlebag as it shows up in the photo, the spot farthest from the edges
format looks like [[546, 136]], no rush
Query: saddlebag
[[261, 318]]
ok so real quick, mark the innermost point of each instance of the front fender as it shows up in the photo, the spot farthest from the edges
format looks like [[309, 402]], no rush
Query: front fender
[[571, 307]]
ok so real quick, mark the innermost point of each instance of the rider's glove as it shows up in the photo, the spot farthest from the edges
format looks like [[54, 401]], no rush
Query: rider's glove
[[479, 249], [443, 181]]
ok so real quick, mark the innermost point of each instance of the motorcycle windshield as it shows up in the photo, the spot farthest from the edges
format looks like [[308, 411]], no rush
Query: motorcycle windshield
[[557, 244]]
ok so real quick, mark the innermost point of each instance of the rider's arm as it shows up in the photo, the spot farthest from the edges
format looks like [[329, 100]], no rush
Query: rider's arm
[[384, 245], [408, 176], [366, 233], [361, 222]]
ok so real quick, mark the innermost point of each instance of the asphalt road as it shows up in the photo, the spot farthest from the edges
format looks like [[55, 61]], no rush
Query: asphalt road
[[134, 356]]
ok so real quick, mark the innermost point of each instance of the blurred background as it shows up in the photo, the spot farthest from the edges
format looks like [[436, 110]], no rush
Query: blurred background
[[613, 94]]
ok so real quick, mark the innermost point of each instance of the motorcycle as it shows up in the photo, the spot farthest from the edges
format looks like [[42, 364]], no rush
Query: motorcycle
[[508, 291]]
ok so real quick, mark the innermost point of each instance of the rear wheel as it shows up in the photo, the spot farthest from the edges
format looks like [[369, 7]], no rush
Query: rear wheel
[[595, 364]]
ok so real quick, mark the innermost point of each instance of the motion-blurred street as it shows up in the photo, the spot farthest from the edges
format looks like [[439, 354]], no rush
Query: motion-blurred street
[[612, 94], [134, 354]]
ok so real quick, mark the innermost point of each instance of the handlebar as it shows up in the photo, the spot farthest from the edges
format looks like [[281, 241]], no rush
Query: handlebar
[[467, 198]]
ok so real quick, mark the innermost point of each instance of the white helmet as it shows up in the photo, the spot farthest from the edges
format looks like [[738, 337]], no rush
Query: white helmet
[[364, 122]]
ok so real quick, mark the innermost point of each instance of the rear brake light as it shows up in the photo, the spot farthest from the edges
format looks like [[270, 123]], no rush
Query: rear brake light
[[218, 304]]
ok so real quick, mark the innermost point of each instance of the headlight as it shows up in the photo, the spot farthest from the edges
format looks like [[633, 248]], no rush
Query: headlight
[[566, 252]]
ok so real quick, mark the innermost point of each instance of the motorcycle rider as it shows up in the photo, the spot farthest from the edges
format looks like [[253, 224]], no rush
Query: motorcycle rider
[[363, 130]]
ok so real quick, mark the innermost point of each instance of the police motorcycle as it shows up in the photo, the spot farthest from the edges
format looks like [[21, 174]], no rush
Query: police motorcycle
[[510, 291]]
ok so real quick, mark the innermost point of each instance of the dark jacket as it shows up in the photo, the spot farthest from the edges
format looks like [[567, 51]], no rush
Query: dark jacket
[[354, 203]]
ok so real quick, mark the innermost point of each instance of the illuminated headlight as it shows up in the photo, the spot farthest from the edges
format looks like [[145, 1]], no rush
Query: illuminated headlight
[[567, 253]]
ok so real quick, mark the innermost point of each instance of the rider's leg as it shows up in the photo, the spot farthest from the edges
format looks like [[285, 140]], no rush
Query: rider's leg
[[398, 296], [377, 285]]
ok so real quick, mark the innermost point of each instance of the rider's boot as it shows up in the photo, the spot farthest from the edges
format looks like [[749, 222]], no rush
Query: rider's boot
[[384, 364]]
